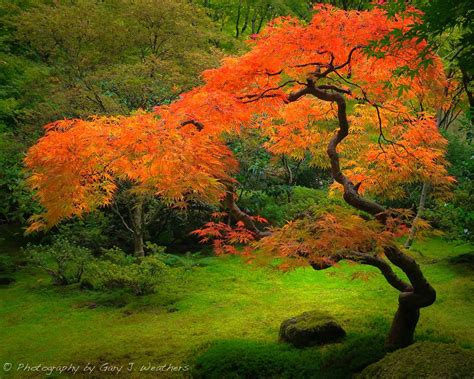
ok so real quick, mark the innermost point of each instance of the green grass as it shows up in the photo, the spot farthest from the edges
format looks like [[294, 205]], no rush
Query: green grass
[[227, 306]]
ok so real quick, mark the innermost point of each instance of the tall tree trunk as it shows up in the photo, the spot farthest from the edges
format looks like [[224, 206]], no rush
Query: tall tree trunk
[[237, 21], [264, 15], [467, 80], [254, 20], [246, 19], [137, 217], [419, 213], [288, 169]]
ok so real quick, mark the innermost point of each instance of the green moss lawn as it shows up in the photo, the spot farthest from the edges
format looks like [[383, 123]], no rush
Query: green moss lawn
[[224, 315]]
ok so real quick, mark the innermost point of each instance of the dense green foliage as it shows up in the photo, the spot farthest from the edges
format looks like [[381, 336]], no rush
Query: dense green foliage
[[82, 58], [456, 216], [54, 67]]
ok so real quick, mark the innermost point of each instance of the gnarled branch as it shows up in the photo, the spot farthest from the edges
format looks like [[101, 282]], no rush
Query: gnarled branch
[[240, 215]]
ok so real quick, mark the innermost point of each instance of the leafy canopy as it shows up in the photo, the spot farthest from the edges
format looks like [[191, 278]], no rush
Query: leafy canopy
[[179, 151], [77, 165]]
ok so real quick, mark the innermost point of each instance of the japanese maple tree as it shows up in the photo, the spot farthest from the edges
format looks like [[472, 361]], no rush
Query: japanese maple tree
[[364, 113], [78, 166], [321, 88]]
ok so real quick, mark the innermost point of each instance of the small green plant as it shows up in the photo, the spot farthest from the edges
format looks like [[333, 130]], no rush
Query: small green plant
[[154, 249], [62, 260], [256, 359], [6, 264], [185, 262], [117, 270]]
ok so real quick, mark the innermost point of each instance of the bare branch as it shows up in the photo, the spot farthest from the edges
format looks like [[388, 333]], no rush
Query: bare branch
[[117, 212], [199, 126], [239, 215], [255, 97], [333, 88]]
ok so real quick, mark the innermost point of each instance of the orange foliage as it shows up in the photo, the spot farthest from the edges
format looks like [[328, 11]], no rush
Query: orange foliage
[[252, 91], [76, 165], [324, 236], [393, 137], [229, 239]]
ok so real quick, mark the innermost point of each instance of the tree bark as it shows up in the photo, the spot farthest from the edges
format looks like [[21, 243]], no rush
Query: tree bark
[[137, 217], [409, 302], [403, 327], [246, 19], [260, 24], [239, 215], [254, 20], [467, 80], [237, 21], [419, 213]]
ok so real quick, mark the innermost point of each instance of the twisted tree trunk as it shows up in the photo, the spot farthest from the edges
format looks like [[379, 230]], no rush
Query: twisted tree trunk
[[419, 293]]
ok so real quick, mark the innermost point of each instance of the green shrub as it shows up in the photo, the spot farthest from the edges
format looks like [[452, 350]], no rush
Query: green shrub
[[62, 260], [6, 264], [456, 217], [185, 262], [117, 270], [253, 359], [92, 230], [424, 360]]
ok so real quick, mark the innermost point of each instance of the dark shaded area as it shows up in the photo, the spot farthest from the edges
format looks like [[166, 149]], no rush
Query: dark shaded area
[[465, 260], [254, 359]]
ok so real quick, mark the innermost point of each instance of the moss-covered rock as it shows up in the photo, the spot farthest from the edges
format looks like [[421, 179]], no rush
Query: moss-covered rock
[[311, 328], [424, 360]]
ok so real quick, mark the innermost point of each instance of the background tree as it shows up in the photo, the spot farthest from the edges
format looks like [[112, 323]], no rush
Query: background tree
[[73, 59], [114, 57], [78, 166], [247, 17], [448, 24]]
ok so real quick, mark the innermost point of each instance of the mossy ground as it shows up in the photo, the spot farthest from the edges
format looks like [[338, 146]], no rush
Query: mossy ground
[[424, 360], [227, 302]]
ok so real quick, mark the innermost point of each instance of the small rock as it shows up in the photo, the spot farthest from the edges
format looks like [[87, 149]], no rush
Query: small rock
[[310, 329]]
